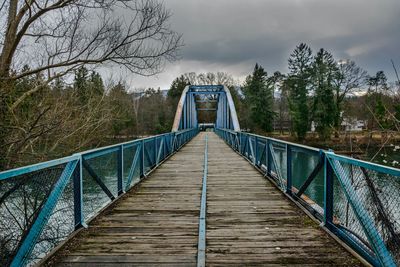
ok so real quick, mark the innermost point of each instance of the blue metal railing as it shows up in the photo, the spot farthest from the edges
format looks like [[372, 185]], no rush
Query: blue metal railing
[[42, 204], [356, 200]]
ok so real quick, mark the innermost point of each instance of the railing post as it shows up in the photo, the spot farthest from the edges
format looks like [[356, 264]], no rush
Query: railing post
[[288, 169], [269, 156], [78, 196], [155, 151], [165, 146], [240, 144], [142, 174], [173, 143], [328, 192], [120, 172], [256, 150]]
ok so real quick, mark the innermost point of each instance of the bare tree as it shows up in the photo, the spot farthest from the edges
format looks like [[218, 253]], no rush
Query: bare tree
[[57, 36], [350, 77], [43, 40], [210, 78]]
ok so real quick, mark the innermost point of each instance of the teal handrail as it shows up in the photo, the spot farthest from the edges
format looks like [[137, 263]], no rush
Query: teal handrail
[[64, 183], [361, 187]]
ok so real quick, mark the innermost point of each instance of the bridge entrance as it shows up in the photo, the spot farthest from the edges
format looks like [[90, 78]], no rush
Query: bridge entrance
[[203, 105]]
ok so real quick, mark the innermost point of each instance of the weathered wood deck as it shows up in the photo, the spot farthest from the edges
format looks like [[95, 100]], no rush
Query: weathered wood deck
[[249, 222]]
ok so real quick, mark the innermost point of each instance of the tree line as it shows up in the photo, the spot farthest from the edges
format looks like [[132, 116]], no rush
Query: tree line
[[63, 117], [321, 90]]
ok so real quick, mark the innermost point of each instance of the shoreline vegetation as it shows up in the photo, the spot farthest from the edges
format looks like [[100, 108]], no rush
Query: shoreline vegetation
[[382, 147]]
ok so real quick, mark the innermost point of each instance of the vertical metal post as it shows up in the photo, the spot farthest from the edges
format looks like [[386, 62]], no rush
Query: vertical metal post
[[269, 157], [164, 147], [288, 169], [225, 124], [120, 167], [184, 113], [78, 196], [142, 171], [256, 150], [189, 103], [155, 151], [190, 110], [328, 193]]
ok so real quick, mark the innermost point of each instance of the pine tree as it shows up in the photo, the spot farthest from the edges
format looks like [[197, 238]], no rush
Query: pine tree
[[298, 83], [177, 86], [88, 85], [81, 84], [324, 69], [96, 84], [122, 110], [258, 91], [377, 88]]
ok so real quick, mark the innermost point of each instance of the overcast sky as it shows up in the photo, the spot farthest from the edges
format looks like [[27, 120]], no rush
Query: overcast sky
[[232, 35]]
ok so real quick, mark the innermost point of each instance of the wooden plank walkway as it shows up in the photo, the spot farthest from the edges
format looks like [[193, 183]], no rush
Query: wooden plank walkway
[[249, 222]]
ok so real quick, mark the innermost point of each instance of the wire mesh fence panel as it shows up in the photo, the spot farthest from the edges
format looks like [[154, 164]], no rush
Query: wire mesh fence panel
[[279, 163], [94, 198], [262, 153], [168, 143], [128, 156], [281, 158], [259, 150], [378, 196], [249, 148], [345, 218], [131, 168], [159, 149], [303, 165], [106, 168], [21, 199], [59, 226], [253, 151], [148, 155]]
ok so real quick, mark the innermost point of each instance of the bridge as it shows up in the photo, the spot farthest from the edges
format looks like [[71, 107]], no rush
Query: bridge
[[219, 197]]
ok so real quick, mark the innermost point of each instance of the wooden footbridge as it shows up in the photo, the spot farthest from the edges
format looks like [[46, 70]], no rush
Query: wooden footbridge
[[190, 198]]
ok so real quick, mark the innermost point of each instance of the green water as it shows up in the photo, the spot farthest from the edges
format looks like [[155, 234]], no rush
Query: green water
[[303, 164]]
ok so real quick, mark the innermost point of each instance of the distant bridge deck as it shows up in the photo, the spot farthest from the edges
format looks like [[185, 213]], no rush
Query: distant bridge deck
[[249, 221]]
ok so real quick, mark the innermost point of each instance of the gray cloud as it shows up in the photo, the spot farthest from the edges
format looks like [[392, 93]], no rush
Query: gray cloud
[[231, 35]]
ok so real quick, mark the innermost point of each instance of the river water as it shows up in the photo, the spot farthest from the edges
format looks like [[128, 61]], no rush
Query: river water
[[304, 164]]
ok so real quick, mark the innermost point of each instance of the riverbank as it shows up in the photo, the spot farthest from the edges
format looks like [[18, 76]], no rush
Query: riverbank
[[377, 146]]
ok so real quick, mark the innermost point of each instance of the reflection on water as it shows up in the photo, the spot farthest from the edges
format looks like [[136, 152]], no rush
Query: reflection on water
[[303, 164], [389, 156]]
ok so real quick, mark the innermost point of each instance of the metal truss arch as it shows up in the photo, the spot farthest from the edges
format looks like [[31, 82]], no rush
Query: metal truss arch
[[186, 115]]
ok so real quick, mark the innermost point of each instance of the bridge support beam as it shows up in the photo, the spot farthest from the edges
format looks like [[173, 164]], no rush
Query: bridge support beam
[[186, 112]]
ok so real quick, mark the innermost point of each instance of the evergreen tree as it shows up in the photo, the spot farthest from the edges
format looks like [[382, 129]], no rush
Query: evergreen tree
[[122, 110], [324, 70], [177, 86], [96, 84], [298, 83], [81, 84], [258, 91], [377, 112], [88, 85], [174, 94]]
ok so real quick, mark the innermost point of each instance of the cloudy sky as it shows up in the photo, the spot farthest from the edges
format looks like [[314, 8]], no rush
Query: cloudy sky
[[232, 35]]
